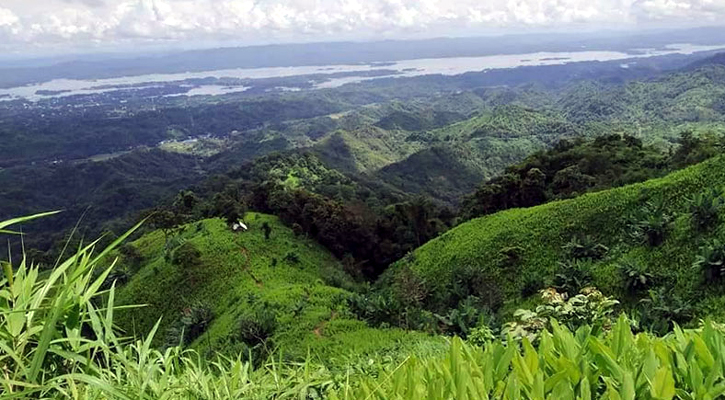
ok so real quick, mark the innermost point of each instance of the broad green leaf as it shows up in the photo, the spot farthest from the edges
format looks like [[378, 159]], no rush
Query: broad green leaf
[[663, 385]]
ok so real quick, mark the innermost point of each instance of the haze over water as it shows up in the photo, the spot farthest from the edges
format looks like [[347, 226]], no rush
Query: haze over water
[[406, 68]]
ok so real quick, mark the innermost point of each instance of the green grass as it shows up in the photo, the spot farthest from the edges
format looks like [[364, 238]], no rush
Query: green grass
[[308, 296], [539, 233]]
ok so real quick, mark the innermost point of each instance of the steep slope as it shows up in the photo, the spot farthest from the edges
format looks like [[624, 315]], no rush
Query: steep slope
[[505, 257], [286, 287], [461, 155]]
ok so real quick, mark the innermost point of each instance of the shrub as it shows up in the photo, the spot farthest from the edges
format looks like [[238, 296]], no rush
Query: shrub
[[510, 256], [193, 322], [410, 288], [532, 285], [267, 230], [172, 243], [590, 307], [481, 335], [636, 278], [257, 327], [297, 229], [574, 275], [462, 319], [661, 311], [131, 255], [186, 256], [292, 257], [711, 261], [471, 280], [651, 223], [705, 208], [585, 248], [376, 309]]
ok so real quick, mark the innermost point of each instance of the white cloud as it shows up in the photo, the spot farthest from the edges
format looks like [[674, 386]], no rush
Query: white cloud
[[704, 10], [78, 22], [7, 17]]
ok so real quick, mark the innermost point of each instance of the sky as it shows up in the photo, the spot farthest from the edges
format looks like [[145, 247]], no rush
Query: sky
[[103, 25]]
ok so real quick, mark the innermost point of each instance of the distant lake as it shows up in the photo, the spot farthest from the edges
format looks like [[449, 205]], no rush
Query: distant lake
[[407, 68]]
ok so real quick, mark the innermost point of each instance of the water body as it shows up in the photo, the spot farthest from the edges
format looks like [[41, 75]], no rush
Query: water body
[[211, 90], [407, 68]]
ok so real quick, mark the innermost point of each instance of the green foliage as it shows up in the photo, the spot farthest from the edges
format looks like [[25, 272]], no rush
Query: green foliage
[[568, 169], [481, 335], [567, 364], [652, 222], [585, 248], [574, 275], [59, 339], [655, 210], [662, 310], [267, 230], [131, 256], [711, 261], [229, 273], [292, 258], [589, 308], [193, 322], [257, 326], [187, 256], [461, 320], [705, 208], [635, 276]]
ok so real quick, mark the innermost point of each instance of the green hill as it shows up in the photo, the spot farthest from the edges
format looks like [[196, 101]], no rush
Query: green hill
[[286, 287], [504, 258]]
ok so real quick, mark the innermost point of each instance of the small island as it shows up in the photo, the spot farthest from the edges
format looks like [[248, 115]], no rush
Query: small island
[[50, 92]]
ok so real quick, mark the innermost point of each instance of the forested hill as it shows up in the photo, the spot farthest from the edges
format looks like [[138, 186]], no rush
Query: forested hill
[[655, 246], [440, 145]]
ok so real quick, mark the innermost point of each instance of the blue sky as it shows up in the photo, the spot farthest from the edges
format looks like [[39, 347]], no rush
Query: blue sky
[[61, 25]]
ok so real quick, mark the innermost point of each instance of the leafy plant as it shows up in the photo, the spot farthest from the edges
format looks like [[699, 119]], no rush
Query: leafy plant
[[661, 311], [573, 276], [652, 222], [292, 258], [585, 248], [186, 256], [257, 327], [711, 261], [481, 335], [460, 320], [705, 208], [267, 230], [582, 364], [193, 322], [376, 309], [590, 307], [635, 275]]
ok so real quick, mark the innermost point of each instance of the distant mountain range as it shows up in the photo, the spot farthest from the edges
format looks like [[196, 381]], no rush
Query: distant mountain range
[[283, 55]]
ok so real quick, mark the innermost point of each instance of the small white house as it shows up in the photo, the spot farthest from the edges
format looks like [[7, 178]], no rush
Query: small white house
[[239, 226]]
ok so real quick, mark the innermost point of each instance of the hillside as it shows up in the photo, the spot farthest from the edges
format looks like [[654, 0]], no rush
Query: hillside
[[286, 292], [504, 258]]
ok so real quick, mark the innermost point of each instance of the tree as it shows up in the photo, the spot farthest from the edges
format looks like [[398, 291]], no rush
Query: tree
[[229, 207], [534, 188], [165, 220]]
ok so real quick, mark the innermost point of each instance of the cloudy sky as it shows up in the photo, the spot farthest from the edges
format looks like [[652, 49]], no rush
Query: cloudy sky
[[54, 25]]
